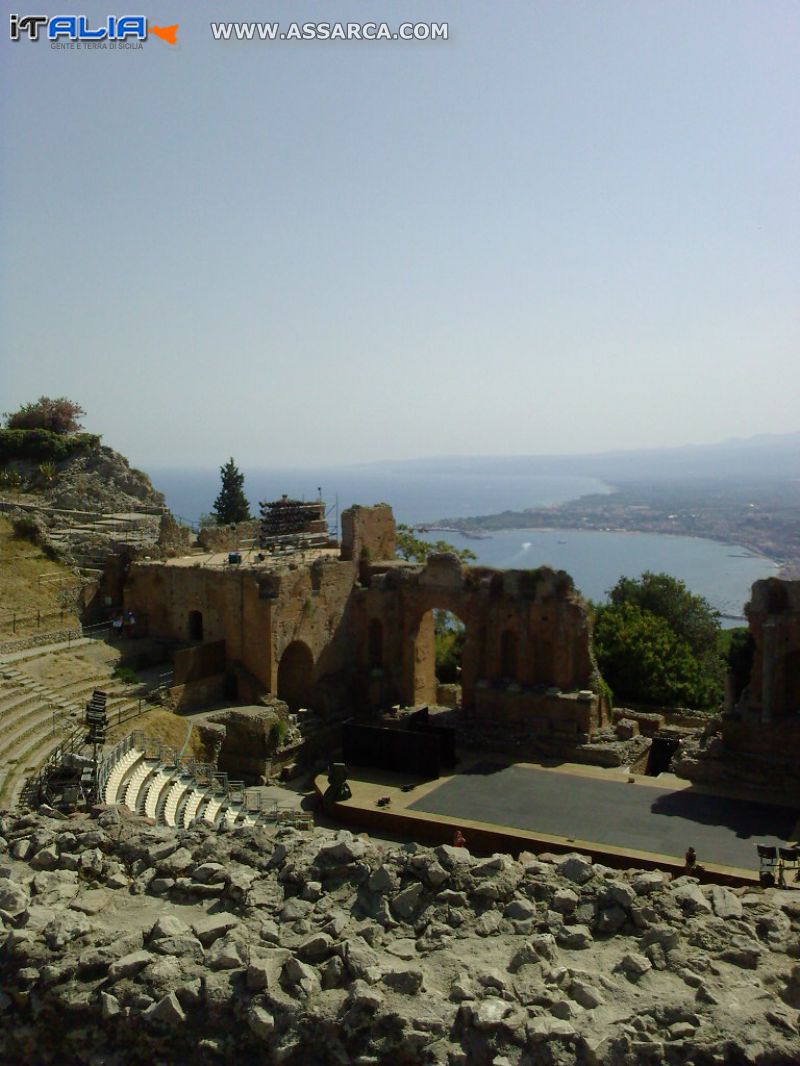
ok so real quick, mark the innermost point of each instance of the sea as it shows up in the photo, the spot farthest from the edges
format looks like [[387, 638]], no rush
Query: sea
[[723, 573]]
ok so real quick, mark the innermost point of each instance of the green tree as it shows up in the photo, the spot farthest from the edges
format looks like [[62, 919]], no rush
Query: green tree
[[449, 634], [411, 547], [690, 616], [739, 658], [231, 505], [59, 416], [657, 642], [643, 659]]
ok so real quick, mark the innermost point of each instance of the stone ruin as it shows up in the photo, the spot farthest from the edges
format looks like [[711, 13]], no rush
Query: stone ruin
[[755, 743], [350, 629]]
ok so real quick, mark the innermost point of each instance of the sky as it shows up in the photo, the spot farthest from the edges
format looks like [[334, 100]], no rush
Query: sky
[[571, 226]]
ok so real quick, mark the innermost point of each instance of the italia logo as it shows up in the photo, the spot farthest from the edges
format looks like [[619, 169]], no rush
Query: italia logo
[[78, 28]]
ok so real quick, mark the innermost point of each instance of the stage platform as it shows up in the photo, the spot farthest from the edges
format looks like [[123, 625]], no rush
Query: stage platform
[[618, 818]]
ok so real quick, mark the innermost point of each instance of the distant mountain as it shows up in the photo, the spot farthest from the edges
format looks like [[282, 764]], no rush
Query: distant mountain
[[772, 456]]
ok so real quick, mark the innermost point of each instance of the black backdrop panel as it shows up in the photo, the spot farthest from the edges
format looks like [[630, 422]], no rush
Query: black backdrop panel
[[400, 750]]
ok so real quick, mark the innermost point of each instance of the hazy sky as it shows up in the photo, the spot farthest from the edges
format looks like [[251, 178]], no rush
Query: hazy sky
[[572, 226]]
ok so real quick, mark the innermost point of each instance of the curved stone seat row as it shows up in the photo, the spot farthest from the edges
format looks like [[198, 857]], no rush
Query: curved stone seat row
[[136, 780], [118, 773], [176, 793], [160, 779], [168, 795]]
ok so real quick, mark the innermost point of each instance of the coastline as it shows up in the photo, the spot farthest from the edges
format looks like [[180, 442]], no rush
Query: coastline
[[483, 534]]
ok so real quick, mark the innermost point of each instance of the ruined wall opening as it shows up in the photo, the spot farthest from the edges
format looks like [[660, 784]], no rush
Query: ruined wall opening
[[508, 656], [296, 675], [195, 625], [438, 654]]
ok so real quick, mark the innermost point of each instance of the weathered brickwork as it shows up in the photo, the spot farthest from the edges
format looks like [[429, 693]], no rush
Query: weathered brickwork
[[754, 744]]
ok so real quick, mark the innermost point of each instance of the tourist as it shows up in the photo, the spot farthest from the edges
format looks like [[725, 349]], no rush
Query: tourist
[[691, 859], [116, 627], [459, 840], [130, 622]]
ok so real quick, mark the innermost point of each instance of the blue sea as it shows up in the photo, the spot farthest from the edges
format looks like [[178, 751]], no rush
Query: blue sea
[[720, 572]]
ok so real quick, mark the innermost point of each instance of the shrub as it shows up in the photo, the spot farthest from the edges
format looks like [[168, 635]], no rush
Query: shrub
[[124, 673], [10, 479], [58, 416], [26, 528], [42, 445], [277, 734], [45, 473]]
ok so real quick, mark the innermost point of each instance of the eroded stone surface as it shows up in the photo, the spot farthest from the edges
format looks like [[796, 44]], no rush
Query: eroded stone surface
[[400, 955]]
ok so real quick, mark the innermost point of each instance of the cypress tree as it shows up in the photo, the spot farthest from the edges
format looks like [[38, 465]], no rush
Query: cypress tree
[[231, 505]]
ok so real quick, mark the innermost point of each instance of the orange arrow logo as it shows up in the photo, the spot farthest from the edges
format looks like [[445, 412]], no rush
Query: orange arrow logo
[[166, 33]]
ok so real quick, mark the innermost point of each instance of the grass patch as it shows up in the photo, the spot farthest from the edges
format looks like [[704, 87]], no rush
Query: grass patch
[[160, 724], [157, 724], [126, 674], [29, 582]]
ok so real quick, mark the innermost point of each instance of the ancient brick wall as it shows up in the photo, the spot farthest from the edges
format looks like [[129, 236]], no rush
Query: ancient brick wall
[[227, 602], [527, 632], [227, 538], [368, 533]]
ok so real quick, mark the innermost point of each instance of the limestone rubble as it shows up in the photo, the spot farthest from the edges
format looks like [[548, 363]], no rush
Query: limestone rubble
[[126, 943]]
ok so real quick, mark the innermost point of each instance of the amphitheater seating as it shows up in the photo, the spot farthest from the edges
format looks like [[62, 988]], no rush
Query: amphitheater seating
[[171, 795], [231, 814], [158, 784], [213, 807], [192, 806], [135, 792], [174, 797], [119, 772]]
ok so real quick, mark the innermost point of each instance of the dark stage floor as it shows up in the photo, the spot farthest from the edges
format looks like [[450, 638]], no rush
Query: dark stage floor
[[642, 817]]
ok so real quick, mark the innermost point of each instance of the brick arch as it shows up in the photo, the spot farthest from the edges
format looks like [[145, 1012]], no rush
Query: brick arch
[[296, 675], [420, 665], [540, 608]]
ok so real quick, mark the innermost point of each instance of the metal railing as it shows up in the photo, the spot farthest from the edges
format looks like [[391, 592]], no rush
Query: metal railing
[[95, 631]]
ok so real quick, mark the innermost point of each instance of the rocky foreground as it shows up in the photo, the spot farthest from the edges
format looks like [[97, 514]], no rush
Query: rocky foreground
[[125, 943]]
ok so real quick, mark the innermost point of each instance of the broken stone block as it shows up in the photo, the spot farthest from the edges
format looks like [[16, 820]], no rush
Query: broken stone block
[[634, 965]]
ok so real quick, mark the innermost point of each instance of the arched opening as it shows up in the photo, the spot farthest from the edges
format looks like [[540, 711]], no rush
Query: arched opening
[[375, 642], [195, 625], [438, 654], [295, 675], [508, 656]]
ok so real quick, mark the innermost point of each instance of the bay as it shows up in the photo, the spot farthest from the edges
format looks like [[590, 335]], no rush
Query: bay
[[596, 560], [723, 573]]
